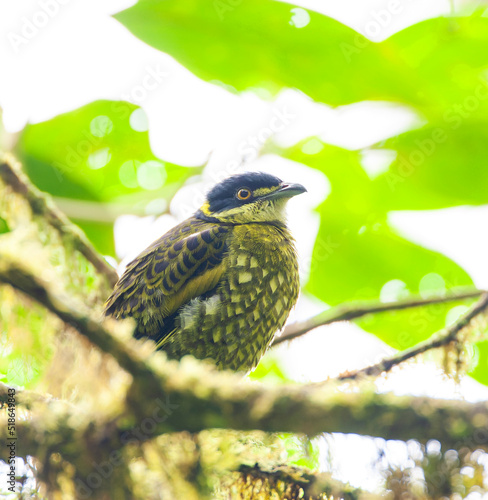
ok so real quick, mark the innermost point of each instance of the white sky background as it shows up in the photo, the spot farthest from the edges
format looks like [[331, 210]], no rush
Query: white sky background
[[82, 54]]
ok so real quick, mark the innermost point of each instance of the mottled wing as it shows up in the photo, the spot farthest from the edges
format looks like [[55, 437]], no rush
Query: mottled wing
[[183, 264]]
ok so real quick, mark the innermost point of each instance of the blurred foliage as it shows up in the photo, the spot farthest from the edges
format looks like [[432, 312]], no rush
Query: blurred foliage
[[254, 43], [269, 370], [31, 339], [432, 473], [3, 226], [358, 256], [437, 166], [301, 451], [100, 154], [98, 164]]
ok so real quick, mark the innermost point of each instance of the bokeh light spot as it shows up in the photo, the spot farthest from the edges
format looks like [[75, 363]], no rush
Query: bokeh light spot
[[455, 313], [101, 126], [138, 120], [393, 290], [151, 174], [99, 159], [312, 147], [376, 161], [156, 207], [431, 284], [300, 17], [128, 173]]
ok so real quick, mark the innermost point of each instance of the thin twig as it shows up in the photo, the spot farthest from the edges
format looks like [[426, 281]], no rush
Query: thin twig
[[348, 312], [439, 339], [43, 205]]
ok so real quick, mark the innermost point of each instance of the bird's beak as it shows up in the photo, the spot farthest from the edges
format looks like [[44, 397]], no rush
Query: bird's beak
[[285, 191]]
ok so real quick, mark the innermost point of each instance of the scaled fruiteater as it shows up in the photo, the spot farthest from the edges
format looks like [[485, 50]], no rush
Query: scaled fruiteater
[[220, 284]]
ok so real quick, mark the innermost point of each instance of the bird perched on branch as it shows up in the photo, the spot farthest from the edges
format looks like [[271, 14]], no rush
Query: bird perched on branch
[[220, 284]]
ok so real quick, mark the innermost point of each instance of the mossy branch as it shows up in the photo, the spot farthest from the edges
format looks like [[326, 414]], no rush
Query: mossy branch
[[193, 396], [42, 205], [23, 398], [15, 275]]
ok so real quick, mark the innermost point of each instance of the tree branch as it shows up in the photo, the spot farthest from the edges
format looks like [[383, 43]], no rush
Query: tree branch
[[24, 398], [193, 396], [348, 312], [439, 339], [128, 358], [42, 205]]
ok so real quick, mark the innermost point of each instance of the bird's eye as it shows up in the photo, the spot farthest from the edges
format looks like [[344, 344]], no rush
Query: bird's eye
[[243, 194]]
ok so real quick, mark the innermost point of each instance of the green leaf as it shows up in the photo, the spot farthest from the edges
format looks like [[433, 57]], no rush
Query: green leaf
[[480, 371], [93, 153], [4, 226], [443, 58], [269, 370], [98, 167], [437, 166], [257, 43], [301, 451], [100, 234]]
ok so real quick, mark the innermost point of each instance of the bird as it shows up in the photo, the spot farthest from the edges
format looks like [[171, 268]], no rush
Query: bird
[[220, 284]]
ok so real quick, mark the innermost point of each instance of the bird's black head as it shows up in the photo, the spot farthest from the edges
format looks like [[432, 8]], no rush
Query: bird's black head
[[249, 197]]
